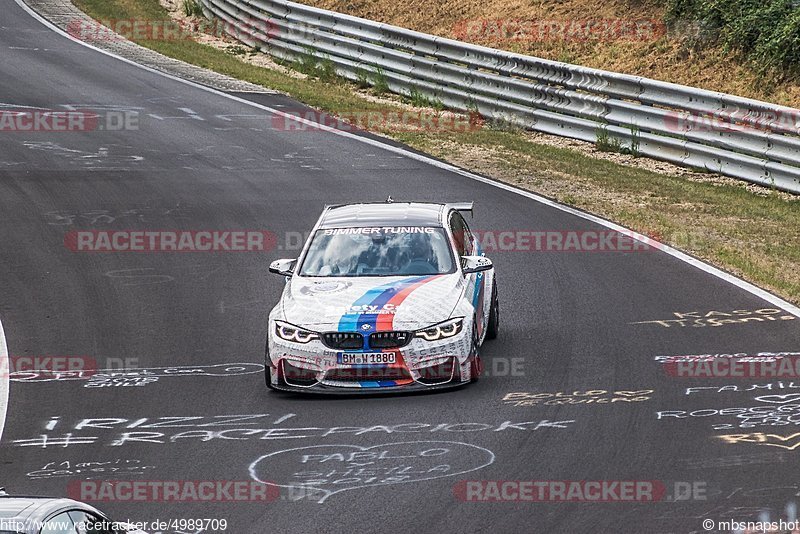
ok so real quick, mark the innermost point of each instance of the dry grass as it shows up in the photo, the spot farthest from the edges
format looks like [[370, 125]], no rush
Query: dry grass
[[669, 57]]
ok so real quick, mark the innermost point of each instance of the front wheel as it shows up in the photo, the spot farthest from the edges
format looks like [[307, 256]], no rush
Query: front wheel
[[475, 364], [268, 377], [493, 326], [267, 367]]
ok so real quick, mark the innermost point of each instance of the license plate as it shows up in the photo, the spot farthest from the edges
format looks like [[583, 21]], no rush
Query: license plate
[[366, 358]]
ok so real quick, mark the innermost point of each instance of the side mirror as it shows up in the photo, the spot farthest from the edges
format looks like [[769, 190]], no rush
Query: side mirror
[[475, 264], [284, 267]]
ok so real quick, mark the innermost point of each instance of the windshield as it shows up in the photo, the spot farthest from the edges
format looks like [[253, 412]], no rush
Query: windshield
[[379, 251]]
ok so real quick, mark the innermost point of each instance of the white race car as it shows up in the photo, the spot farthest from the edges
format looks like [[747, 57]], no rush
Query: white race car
[[46, 515], [384, 296]]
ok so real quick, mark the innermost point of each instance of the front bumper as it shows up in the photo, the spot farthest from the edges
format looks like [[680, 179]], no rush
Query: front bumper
[[323, 389], [419, 366]]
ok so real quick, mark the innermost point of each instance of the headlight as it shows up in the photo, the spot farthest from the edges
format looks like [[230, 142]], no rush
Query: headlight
[[292, 333], [441, 330]]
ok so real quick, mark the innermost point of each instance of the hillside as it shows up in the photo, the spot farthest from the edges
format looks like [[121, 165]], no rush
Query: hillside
[[680, 52]]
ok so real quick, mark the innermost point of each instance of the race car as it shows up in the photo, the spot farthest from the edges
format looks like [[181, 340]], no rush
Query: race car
[[47, 515], [383, 297]]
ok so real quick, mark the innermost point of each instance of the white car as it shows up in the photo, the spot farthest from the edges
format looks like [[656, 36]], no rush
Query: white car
[[47, 515], [384, 297]]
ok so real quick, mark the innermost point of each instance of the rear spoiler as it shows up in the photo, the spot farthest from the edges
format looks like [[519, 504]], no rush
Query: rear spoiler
[[463, 207]]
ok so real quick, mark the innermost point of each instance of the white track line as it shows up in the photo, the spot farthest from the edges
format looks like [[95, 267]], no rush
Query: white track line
[[710, 269], [4, 372]]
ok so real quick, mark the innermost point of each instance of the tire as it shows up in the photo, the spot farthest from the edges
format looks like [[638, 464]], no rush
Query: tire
[[493, 324], [267, 367], [268, 377], [476, 364]]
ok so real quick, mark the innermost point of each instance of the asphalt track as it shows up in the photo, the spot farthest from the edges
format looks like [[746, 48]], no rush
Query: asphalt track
[[199, 161]]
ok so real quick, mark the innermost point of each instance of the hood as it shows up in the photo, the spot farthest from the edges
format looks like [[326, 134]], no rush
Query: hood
[[384, 303]]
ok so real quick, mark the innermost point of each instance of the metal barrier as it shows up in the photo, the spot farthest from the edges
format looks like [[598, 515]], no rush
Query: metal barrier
[[738, 137]]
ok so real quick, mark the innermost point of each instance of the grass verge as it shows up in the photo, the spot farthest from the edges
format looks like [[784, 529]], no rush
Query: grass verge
[[752, 232]]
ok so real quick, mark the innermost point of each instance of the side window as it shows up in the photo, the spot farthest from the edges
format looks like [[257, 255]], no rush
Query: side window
[[470, 243], [58, 524], [461, 234], [87, 523]]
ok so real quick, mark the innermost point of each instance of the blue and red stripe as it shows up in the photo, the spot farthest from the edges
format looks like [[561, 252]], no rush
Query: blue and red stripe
[[394, 293]]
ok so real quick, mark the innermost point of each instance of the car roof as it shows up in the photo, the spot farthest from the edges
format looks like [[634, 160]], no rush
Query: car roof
[[13, 507], [23, 507], [384, 214]]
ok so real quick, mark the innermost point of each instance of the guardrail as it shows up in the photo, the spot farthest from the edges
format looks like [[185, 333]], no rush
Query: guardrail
[[748, 139]]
